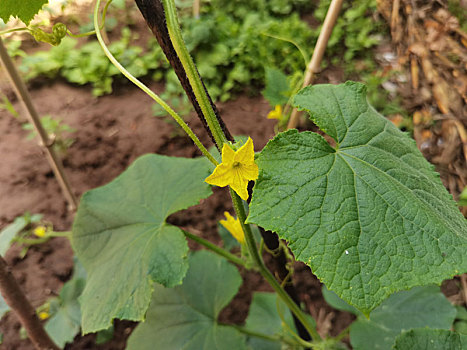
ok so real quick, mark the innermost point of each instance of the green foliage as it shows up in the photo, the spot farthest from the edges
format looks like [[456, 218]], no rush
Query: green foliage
[[25, 10], [122, 240], [456, 8], [21, 227], [463, 198], [56, 129], [430, 339], [420, 307], [460, 324], [355, 31], [370, 217], [264, 318], [4, 308], [277, 90], [88, 64], [65, 321], [7, 106], [185, 317]]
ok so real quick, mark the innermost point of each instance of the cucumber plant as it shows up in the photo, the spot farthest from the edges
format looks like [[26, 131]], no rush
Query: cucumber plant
[[362, 208]]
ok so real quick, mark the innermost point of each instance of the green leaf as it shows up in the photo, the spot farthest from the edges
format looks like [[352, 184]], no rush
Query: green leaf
[[121, 237], [337, 303], [264, 318], [430, 339], [9, 233], [417, 308], [370, 217], [4, 308], [185, 317], [277, 87], [25, 10], [65, 321]]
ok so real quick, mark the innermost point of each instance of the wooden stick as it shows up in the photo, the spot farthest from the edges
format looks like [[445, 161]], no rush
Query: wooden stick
[[196, 8], [45, 141], [18, 302], [315, 62]]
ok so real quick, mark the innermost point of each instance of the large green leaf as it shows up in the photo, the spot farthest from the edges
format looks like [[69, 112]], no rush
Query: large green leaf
[[185, 317], [25, 10], [370, 217], [430, 339], [121, 237], [419, 307]]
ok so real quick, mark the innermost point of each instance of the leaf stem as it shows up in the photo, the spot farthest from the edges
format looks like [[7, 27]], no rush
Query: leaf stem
[[263, 336], [218, 250], [192, 73], [148, 91], [251, 244]]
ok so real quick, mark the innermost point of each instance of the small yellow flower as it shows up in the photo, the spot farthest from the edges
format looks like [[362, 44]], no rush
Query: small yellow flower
[[236, 169], [43, 315], [276, 113], [234, 227], [40, 231]]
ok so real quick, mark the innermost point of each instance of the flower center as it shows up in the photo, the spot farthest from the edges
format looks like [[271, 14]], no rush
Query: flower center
[[236, 164]]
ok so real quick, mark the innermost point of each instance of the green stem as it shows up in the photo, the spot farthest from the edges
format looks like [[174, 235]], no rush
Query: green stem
[[262, 335], [148, 91], [342, 334], [13, 30], [218, 250], [251, 243], [192, 73]]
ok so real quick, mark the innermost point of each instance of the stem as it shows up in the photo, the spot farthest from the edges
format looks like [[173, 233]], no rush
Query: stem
[[318, 53], [13, 30], [16, 299], [218, 250], [251, 243], [148, 91], [342, 334], [196, 8], [192, 74], [23, 95], [263, 336]]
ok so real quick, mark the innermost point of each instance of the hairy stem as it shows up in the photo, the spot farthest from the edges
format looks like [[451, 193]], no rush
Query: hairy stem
[[154, 12], [251, 244], [148, 91]]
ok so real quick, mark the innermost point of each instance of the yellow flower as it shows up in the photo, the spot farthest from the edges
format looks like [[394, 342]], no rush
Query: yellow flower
[[234, 227], [276, 113], [43, 315], [40, 231], [236, 169]]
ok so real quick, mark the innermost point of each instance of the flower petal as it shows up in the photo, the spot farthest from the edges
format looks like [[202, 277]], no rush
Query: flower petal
[[228, 155], [222, 176], [246, 153]]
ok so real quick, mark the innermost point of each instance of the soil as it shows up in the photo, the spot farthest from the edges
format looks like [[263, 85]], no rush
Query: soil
[[111, 132]]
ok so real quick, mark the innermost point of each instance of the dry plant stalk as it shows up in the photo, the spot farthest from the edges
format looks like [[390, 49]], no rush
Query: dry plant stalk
[[318, 53], [18, 302], [45, 141]]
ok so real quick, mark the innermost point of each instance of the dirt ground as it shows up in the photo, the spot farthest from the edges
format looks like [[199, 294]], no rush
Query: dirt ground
[[111, 132]]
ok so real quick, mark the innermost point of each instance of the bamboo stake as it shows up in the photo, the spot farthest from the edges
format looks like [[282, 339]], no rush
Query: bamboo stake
[[315, 62], [196, 8], [18, 302], [45, 141]]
